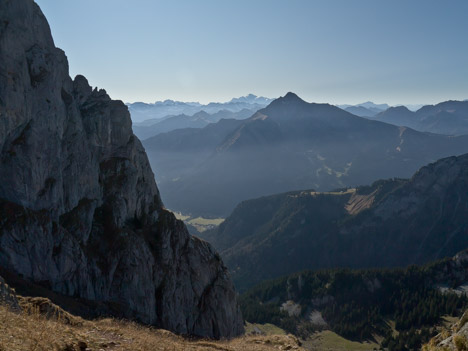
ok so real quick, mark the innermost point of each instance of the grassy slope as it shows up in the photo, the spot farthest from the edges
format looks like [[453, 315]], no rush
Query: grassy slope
[[28, 331], [328, 340], [322, 340]]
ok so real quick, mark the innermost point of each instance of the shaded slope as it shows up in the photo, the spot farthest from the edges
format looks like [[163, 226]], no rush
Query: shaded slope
[[391, 223], [359, 304]]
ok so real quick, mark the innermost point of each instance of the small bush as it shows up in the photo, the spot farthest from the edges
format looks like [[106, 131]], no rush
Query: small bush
[[461, 343]]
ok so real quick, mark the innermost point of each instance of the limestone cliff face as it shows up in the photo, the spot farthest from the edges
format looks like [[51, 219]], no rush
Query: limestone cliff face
[[79, 209]]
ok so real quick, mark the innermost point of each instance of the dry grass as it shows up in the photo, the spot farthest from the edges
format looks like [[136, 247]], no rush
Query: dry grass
[[451, 337], [328, 340], [44, 326], [460, 342]]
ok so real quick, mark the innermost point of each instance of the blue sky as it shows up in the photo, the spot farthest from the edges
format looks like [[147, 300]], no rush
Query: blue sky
[[336, 51]]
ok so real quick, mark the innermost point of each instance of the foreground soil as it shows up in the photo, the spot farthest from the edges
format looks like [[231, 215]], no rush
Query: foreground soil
[[40, 325]]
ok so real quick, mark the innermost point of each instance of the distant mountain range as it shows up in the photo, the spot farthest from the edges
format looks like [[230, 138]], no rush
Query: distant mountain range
[[449, 117], [289, 145], [390, 223], [369, 109], [200, 119], [141, 111], [366, 109]]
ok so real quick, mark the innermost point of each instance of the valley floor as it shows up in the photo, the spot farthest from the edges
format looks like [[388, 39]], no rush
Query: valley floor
[[200, 224]]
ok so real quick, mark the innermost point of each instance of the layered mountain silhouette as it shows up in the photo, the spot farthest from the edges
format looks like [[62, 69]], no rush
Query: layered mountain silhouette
[[200, 119], [141, 111], [449, 117], [289, 145], [366, 109], [390, 223]]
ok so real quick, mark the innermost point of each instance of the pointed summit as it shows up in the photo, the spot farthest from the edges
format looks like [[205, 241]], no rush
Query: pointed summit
[[290, 97]]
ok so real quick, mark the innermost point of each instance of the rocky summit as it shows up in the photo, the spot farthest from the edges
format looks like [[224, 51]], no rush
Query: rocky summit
[[80, 212]]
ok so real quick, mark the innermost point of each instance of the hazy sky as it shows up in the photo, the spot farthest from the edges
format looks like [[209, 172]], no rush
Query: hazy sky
[[337, 51]]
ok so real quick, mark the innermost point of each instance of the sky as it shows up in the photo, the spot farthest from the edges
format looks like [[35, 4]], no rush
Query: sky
[[335, 51]]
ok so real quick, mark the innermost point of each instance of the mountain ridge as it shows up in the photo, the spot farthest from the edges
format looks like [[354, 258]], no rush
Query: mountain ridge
[[290, 144], [150, 128], [143, 111], [448, 117], [390, 223]]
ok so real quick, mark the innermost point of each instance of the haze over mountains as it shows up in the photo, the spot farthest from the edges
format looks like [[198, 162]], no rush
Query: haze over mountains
[[307, 188], [141, 111], [289, 145], [449, 117], [366, 109], [200, 119]]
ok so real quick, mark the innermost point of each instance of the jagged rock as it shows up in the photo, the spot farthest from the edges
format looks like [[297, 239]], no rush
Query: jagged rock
[[79, 209], [8, 296]]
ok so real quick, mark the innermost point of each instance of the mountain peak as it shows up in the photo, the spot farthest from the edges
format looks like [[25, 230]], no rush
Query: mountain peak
[[400, 108], [290, 96], [251, 99]]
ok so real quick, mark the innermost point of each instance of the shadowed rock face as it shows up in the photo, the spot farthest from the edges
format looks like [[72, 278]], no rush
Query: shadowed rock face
[[79, 209]]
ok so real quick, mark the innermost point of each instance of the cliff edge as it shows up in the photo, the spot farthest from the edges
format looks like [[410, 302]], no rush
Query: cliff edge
[[80, 211]]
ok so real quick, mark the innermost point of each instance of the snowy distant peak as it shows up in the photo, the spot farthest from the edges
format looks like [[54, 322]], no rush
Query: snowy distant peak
[[176, 103], [141, 112], [251, 99]]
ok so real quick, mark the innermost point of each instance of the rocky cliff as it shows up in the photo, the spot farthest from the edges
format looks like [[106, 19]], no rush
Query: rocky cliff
[[79, 209]]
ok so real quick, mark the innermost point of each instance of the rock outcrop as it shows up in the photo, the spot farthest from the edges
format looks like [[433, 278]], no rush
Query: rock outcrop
[[79, 208], [8, 296], [453, 338]]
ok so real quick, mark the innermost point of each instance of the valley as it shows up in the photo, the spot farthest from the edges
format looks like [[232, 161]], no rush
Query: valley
[[166, 214], [199, 224]]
